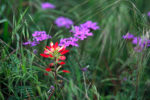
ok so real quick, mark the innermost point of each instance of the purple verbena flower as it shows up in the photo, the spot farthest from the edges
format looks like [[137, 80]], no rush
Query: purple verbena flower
[[47, 5], [63, 22], [27, 43], [128, 36], [40, 36], [84, 69], [81, 32], [148, 14], [35, 51], [90, 25], [71, 41]]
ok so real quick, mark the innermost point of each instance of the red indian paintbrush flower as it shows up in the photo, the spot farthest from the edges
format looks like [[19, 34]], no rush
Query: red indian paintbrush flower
[[54, 51]]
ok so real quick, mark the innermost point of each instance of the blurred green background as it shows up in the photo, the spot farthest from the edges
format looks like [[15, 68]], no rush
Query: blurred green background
[[115, 71]]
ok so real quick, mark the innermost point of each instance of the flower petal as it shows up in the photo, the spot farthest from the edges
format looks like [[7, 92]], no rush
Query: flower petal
[[48, 69], [65, 71], [61, 63], [64, 52]]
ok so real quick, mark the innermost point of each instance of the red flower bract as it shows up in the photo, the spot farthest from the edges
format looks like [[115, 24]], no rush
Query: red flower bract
[[61, 63], [64, 52], [48, 69], [62, 58], [46, 56], [65, 71], [54, 51]]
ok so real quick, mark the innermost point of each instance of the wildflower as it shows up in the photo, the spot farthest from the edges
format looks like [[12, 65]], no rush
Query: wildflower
[[47, 5], [81, 32], [34, 51], [63, 22], [90, 25], [38, 36], [148, 14], [54, 51], [48, 69], [140, 42], [128, 36], [84, 30], [71, 41], [61, 63], [84, 69], [65, 71], [62, 58]]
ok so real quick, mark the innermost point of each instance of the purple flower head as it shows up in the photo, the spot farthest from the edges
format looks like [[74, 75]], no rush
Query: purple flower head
[[47, 5], [148, 14], [31, 43], [128, 36], [84, 69], [71, 41], [90, 25], [63, 22], [40, 36], [27, 43], [136, 40], [35, 51], [52, 87], [81, 32]]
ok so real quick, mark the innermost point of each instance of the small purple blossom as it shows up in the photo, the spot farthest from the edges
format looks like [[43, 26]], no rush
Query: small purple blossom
[[90, 25], [35, 51], [128, 36], [79, 33], [27, 43], [38, 36], [148, 14], [71, 41], [47, 5], [140, 42], [52, 87], [63, 22], [84, 69], [31, 43]]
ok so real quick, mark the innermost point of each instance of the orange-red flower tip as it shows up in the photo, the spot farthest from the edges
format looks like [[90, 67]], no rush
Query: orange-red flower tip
[[61, 63], [65, 71], [48, 69], [64, 52], [62, 58], [46, 56]]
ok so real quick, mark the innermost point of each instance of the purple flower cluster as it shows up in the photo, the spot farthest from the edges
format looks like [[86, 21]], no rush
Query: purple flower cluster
[[80, 33], [47, 5], [38, 36], [148, 14], [138, 41], [63, 22], [69, 41]]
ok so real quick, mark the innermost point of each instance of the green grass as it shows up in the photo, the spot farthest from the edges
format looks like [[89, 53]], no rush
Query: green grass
[[109, 57]]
